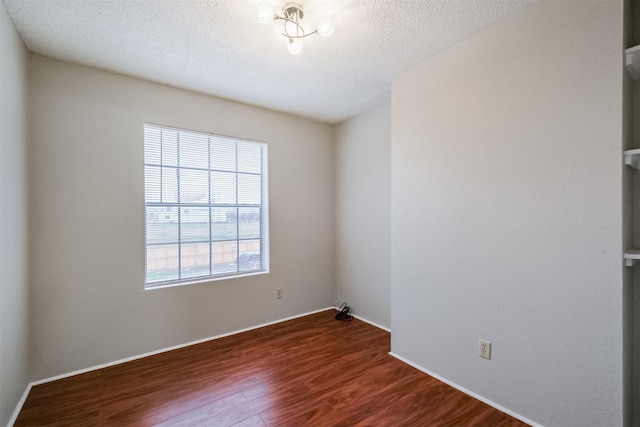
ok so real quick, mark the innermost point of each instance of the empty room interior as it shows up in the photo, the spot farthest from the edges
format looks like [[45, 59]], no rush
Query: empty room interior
[[190, 190]]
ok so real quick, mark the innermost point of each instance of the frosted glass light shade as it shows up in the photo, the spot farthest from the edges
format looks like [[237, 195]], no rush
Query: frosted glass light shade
[[265, 13], [326, 26], [295, 46]]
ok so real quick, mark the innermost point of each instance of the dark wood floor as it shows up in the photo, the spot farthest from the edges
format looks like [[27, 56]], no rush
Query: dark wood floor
[[311, 371]]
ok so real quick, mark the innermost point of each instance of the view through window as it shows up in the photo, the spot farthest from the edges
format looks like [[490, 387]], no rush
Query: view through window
[[205, 206]]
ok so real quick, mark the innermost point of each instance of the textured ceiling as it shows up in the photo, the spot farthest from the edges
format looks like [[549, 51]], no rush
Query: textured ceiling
[[217, 47]]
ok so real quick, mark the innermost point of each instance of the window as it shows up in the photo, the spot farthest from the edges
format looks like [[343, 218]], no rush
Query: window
[[206, 211]]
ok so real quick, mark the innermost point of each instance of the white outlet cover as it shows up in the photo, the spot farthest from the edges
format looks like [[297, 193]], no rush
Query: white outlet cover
[[485, 349]]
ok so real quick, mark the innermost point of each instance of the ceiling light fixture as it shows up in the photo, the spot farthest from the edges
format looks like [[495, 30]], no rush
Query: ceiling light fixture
[[292, 14]]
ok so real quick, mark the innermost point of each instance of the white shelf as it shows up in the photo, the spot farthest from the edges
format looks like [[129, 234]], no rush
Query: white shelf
[[632, 61], [632, 158], [631, 257]]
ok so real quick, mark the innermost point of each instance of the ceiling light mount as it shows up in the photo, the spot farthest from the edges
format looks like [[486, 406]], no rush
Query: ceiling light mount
[[293, 9], [292, 14]]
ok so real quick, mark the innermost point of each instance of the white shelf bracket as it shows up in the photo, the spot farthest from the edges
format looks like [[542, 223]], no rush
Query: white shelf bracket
[[632, 158], [632, 61], [631, 257]]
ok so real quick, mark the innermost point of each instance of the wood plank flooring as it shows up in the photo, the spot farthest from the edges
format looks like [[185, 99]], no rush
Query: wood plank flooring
[[311, 371]]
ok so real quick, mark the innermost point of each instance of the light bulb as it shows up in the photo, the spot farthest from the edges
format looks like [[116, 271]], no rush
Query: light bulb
[[326, 26], [295, 46], [265, 13]]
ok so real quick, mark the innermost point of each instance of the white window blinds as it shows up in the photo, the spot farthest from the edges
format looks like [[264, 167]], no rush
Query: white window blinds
[[205, 206]]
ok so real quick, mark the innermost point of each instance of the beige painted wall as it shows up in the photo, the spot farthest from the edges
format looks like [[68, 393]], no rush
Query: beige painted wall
[[363, 173], [89, 305], [507, 214], [14, 294]]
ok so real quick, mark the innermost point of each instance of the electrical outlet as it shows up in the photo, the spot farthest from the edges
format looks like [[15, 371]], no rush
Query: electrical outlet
[[278, 292], [485, 349]]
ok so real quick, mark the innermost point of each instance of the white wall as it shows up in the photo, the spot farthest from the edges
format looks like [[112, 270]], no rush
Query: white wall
[[89, 305], [363, 176], [506, 219], [14, 314]]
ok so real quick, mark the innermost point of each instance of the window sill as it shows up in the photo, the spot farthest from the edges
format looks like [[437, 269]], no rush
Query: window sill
[[197, 281]]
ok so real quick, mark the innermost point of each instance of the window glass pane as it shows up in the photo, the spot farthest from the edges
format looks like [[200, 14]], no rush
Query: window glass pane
[[250, 257], [224, 224], [249, 223], [249, 157], [162, 263], [223, 154], [194, 150], [194, 224], [194, 186], [169, 185], [162, 224], [194, 260], [249, 191], [152, 184], [152, 146], [223, 188], [224, 257], [169, 141]]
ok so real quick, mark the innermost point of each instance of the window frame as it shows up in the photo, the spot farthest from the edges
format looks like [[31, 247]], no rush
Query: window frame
[[263, 206]]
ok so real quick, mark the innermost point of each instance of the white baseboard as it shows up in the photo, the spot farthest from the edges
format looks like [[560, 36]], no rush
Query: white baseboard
[[19, 406], [372, 323], [175, 347], [367, 321], [465, 391]]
